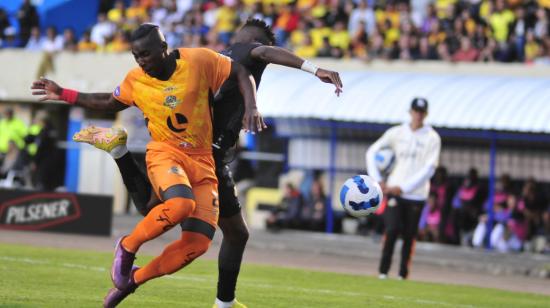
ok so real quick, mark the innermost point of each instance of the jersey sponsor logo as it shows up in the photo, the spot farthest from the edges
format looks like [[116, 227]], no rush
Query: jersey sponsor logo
[[38, 211], [180, 123], [117, 91], [172, 101], [169, 89]]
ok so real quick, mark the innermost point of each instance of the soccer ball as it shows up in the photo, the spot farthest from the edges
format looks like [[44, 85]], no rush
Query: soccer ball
[[384, 160], [360, 195]]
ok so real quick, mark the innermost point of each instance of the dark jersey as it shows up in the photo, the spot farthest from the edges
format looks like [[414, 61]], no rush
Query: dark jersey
[[229, 102]]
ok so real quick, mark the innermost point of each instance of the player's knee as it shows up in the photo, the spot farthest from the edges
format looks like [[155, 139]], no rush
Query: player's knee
[[197, 243], [234, 231], [237, 236], [180, 208]]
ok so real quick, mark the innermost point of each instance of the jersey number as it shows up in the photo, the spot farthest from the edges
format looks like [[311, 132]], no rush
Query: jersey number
[[180, 122]]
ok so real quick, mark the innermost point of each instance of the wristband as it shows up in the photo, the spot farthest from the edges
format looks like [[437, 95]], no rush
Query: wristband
[[309, 67], [69, 96]]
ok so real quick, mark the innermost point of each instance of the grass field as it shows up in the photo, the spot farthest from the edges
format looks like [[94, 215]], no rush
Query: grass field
[[40, 277]]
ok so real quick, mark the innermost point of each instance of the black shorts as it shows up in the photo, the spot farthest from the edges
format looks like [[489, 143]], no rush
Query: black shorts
[[229, 202]]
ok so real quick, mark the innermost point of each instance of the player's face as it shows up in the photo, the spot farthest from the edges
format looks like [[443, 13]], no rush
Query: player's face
[[149, 55]]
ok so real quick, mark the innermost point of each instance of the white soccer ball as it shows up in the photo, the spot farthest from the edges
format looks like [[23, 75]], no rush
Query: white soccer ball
[[384, 160], [360, 195]]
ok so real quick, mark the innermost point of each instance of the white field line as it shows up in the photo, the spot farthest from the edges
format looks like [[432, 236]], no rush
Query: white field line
[[198, 278]]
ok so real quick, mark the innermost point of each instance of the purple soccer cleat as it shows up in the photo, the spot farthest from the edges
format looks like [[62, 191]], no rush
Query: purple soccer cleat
[[122, 266], [115, 296]]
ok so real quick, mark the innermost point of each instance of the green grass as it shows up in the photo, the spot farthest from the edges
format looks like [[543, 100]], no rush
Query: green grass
[[44, 277]]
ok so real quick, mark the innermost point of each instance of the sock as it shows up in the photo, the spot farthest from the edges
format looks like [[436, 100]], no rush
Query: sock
[[119, 151], [159, 220], [229, 265], [136, 182], [174, 257], [222, 304]]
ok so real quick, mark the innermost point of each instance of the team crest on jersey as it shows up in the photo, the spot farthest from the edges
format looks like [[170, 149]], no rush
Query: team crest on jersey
[[171, 101]]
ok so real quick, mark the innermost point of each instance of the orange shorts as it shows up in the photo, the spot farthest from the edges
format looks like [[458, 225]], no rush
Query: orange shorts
[[168, 165]]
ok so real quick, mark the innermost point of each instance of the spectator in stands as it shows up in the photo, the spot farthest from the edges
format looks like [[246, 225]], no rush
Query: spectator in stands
[[35, 41], [339, 38], [467, 206], [27, 17], [306, 49], [69, 40], [52, 43], [10, 38], [119, 43], [427, 51], [534, 204], [314, 210], [467, 52], [532, 49], [102, 31], [288, 213], [11, 129], [48, 162], [12, 160], [117, 14], [442, 189], [4, 23], [226, 23], [362, 18], [430, 219], [85, 44], [498, 234]]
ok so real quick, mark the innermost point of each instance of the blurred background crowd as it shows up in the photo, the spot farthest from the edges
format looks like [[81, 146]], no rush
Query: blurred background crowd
[[455, 213], [449, 30]]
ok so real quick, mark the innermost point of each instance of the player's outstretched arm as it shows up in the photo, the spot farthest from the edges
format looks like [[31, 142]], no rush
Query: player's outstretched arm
[[98, 101], [281, 56], [253, 120]]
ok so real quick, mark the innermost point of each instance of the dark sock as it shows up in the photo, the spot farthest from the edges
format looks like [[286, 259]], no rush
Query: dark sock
[[229, 266], [136, 182]]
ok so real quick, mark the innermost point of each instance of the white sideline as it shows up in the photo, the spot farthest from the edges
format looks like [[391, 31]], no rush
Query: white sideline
[[188, 277]]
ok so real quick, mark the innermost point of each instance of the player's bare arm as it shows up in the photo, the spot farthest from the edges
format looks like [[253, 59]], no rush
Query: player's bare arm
[[281, 56], [253, 120], [98, 101]]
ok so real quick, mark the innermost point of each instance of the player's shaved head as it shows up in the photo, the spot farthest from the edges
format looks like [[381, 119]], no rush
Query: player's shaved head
[[148, 33]]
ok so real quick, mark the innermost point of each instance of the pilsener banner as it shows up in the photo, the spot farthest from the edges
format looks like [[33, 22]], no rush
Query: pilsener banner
[[53, 211]]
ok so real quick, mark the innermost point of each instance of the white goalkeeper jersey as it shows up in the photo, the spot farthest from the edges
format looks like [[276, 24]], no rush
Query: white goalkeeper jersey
[[416, 157]]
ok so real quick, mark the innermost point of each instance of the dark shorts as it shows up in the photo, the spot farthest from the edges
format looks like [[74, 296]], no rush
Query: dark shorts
[[229, 202]]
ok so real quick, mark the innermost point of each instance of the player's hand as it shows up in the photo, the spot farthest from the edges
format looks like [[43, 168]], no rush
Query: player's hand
[[49, 89], [394, 191], [253, 121], [331, 77]]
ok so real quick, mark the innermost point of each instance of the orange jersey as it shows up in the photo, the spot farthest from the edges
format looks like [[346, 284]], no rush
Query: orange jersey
[[178, 110]]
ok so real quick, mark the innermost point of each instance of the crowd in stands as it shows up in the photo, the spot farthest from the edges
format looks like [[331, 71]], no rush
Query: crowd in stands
[[449, 30], [29, 156], [453, 214], [301, 208]]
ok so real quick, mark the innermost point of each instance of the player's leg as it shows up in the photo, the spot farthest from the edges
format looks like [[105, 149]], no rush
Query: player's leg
[[392, 220], [193, 243], [411, 216], [235, 236], [113, 141], [172, 185], [197, 233]]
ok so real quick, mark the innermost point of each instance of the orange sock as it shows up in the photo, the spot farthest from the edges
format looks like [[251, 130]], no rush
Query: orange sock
[[174, 257], [159, 220]]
